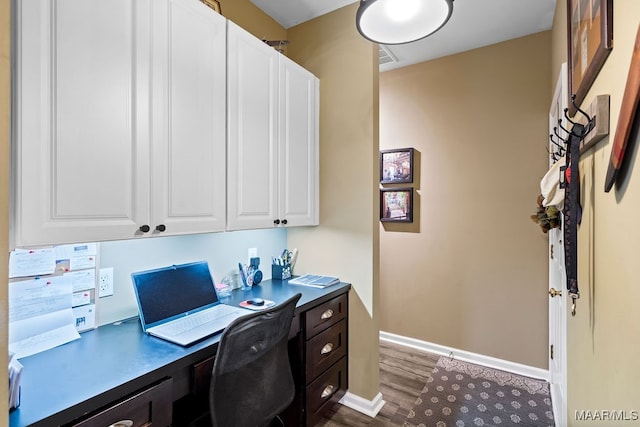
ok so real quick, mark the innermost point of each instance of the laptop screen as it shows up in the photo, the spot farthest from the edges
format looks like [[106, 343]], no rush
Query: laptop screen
[[171, 291]]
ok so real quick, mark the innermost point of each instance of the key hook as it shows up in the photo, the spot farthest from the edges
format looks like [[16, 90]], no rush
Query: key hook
[[555, 130], [573, 101]]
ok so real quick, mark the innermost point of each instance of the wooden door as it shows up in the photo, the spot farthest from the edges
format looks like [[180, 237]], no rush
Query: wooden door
[[558, 282]]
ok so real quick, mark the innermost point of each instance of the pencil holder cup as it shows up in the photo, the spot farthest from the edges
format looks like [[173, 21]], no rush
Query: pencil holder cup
[[281, 272]]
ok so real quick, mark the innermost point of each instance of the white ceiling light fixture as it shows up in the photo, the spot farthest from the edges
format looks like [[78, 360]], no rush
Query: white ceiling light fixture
[[401, 21]]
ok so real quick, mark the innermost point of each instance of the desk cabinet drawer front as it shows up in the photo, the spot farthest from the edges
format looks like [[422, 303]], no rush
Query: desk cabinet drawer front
[[326, 390], [325, 349], [325, 315], [152, 406], [202, 376]]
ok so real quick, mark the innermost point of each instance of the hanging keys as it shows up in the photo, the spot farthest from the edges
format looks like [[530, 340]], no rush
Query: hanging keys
[[574, 297]]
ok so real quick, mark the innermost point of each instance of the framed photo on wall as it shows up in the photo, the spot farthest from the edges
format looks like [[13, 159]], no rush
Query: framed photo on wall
[[396, 205], [590, 40], [396, 166], [213, 4]]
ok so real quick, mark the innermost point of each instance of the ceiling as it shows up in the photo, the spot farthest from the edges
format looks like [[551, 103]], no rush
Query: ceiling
[[473, 24]]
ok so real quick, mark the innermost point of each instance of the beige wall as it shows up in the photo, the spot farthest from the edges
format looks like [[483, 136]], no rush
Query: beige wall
[[603, 337], [471, 271], [346, 242], [252, 19], [5, 107]]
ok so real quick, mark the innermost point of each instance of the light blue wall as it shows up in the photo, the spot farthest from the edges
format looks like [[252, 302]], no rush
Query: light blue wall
[[222, 251]]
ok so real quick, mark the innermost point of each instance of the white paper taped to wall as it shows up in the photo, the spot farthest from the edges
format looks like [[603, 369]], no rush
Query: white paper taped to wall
[[32, 262], [40, 315]]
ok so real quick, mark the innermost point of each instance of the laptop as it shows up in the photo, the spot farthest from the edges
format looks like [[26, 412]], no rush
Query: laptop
[[179, 303]]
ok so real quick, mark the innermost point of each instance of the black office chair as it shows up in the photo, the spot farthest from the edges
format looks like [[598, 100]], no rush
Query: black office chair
[[251, 381]]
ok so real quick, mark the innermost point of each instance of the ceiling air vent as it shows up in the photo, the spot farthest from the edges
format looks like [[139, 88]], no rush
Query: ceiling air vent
[[385, 56]]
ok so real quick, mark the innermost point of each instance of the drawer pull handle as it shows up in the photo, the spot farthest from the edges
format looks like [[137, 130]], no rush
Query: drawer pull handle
[[328, 391], [327, 314], [328, 347], [122, 423]]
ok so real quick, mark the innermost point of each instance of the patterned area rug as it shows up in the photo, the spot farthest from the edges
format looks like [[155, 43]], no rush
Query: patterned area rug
[[461, 394]]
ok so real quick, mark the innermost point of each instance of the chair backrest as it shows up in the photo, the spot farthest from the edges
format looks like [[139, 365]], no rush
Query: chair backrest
[[251, 381]]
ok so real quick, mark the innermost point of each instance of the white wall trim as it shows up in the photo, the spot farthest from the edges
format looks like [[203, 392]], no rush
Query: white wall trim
[[559, 411], [467, 356], [365, 406]]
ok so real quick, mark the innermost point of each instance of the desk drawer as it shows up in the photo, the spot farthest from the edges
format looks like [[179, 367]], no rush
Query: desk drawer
[[202, 376], [151, 406], [321, 317], [325, 349], [326, 390]]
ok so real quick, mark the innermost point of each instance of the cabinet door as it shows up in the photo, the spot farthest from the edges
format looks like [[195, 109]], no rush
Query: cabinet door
[[298, 145], [252, 131], [189, 118], [80, 157]]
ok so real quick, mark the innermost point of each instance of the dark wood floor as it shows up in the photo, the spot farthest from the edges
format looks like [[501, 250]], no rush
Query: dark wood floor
[[403, 374]]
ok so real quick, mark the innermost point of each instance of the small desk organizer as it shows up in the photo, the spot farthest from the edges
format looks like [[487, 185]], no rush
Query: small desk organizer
[[281, 272]]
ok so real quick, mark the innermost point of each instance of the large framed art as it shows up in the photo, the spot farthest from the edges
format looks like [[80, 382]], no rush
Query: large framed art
[[590, 40]]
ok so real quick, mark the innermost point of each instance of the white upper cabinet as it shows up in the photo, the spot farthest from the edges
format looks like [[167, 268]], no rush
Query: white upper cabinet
[[272, 141], [252, 110], [298, 145], [189, 118], [123, 114], [119, 120]]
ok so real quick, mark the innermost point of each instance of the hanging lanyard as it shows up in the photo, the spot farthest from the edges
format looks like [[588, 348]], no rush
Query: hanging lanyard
[[572, 213]]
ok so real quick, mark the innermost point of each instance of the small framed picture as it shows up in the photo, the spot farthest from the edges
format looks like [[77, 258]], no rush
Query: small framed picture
[[213, 4], [396, 166], [396, 205]]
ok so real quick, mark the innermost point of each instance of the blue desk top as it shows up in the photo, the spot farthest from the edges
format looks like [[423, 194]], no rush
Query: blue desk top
[[113, 361]]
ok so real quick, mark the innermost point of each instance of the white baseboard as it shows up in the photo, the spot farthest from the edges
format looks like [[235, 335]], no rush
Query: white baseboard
[[360, 404], [466, 356]]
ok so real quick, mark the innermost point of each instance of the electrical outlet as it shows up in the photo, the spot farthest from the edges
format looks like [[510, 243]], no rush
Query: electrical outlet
[[252, 253], [105, 282]]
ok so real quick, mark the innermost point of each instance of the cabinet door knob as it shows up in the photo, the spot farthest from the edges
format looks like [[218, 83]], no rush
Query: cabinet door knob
[[328, 390], [145, 228], [328, 348], [161, 227], [284, 221], [276, 221], [327, 314]]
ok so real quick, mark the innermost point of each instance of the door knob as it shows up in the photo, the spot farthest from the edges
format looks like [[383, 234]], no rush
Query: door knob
[[161, 228], [145, 228], [553, 292]]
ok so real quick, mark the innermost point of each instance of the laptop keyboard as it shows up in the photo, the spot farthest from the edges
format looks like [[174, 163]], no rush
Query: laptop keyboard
[[218, 317]]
